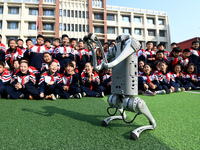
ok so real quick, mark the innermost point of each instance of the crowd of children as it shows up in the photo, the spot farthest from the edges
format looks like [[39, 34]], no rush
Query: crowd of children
[[162, 72], [66, 71]]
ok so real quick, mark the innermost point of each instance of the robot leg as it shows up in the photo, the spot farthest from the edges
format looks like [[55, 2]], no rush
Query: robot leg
[[139, 106], [115, 102]]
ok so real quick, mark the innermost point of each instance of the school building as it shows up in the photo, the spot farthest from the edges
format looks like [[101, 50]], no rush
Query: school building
[[76, 18]]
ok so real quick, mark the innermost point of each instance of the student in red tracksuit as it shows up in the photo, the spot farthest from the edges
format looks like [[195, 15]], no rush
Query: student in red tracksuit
[[48, 82], [68, 83], [190, 76], [47, 59], [36, 53], [5, 78], [82, 56], [13, 53], [90, 82], [2, 50], [56, 44], [23, 84]]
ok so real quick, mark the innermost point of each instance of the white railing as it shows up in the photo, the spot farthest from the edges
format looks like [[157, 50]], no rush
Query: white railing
[[25, 1], [108, 7]]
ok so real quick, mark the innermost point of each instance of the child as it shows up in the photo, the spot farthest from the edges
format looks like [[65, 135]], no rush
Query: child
[[20, 44], [159, 57], [162, 48], [65, 40], [47, 43], [75, 67], [48, 82], [194, 57], [178, 76], [149, 82], [107, 81], [47, 59], [106, 48], [5, 78], [167, 82], [36, 53], [68, 84], [73, 46], [29, 45], [90, 82], [148, 55], [22, 84], [140, 67], [56, 44], [15, 67], [13, 53], [82, 56], [175, 58], [185, 58], [191, 76], [2, 50], [65, 54]]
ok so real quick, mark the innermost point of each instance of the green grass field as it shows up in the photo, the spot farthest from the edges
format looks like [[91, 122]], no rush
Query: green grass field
[[76, 124]]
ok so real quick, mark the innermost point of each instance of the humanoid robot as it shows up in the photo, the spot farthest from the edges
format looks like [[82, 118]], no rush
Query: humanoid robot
[[124, 81]]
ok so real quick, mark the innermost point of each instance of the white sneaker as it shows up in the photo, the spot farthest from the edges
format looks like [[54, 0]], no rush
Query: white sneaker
[[78, 95]]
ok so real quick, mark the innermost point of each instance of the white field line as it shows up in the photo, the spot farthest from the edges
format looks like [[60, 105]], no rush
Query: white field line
[[192, 92]]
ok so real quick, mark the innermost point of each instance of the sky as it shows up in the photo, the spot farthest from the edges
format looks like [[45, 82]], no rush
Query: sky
[[184, 15]]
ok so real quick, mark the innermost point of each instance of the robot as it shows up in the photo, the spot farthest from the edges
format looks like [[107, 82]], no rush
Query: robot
[[124, 81]]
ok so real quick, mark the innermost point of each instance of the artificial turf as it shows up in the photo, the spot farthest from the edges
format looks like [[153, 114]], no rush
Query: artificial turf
[[76, 124]]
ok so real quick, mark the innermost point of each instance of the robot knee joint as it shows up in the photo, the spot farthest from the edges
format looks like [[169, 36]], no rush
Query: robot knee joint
[[115, 101]]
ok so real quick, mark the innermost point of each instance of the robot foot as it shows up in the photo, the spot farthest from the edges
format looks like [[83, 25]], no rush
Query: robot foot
[[106, 121]]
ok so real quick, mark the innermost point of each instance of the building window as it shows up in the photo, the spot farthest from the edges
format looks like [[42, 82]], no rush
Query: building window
[[64, 26], [138, 32], [98, 29], [1, 10], [60, 26], [97, 3], [126, 31], [68, 13], [111, 30], [151, 32], [79, 14], [12, 25], [48, 26], [110, 17], [32, 26], [76, 27], [64, 13], [33, 11], [98, 16], [137, 19], [126, 18], [162, 33], [150, 20], [0, 24], [72, 13], [72, 27], [80, 28], [68, 27], [83, 28], [60, 12], [83, 14], [13, 10], [87, 14], [161, 21], [33, 39], [48, 12], [87, 28], [76, 13]]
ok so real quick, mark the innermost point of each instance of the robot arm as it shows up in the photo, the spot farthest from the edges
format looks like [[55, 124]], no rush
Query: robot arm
[[126, 46]]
